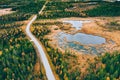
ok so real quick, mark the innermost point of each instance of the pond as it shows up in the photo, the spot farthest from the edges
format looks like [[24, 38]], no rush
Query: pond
[[81, 42], [76, 24], [81, 38]]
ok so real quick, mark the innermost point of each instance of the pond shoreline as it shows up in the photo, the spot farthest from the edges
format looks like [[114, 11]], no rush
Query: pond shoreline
[[56, 26], [109, 46]]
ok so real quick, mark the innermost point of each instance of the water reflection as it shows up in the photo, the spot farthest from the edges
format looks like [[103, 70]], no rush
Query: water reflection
[[77, 24]]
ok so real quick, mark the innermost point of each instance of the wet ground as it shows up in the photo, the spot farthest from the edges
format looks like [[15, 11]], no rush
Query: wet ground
[[80, 42]]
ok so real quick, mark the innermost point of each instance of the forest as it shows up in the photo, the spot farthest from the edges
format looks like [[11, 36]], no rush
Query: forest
[[17, 54], [105, 9], [57, 9], [108, 70]]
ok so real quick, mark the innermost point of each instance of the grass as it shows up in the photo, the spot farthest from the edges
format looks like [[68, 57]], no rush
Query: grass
[[113, 25]]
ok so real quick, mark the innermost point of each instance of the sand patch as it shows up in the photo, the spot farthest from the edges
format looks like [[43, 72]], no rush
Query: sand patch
[[6, 11]]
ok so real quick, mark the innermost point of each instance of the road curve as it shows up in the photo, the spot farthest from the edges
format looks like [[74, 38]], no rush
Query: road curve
[[44, 59]]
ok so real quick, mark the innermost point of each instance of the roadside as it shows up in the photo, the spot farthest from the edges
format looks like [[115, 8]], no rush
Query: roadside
[[49, 60], [38, 67], [48, 70]]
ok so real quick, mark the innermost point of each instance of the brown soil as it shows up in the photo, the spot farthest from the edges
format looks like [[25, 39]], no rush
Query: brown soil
[[98, 27], [37, 67], [5, 11]]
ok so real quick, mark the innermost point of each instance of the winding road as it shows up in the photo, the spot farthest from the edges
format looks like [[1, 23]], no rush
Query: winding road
[[44, 59]]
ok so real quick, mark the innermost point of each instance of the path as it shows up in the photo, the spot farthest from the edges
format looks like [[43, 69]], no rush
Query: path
[[44, 59]]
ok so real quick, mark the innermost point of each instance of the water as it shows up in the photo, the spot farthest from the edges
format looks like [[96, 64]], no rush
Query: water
[[76, 24], [80, 41], [81, 38]]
